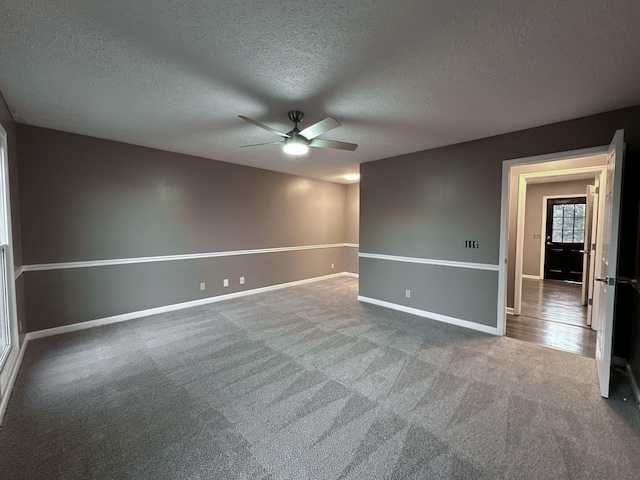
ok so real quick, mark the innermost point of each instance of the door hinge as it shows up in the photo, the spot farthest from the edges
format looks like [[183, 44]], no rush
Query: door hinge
[[593, 247], [597, 190], [591, 301]]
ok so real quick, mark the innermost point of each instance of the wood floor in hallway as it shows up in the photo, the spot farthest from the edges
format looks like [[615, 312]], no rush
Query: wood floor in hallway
[[552, 316]]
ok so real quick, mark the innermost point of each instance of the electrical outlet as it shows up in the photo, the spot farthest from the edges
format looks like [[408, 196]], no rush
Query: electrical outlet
[[407, 293], [225, 282], [332, 265], [202, 286], [241, 280]]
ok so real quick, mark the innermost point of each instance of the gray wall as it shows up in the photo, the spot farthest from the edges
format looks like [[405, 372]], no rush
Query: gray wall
[[426, 204], [533, 218], [352, 227], [6, 120], [84, 199]]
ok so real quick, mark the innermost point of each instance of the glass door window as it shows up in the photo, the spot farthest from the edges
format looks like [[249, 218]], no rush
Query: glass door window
[[568, 223]]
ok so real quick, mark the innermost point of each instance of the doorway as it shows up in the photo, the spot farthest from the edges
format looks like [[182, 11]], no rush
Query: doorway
[[554, 307], [605, 247], [551, 229]]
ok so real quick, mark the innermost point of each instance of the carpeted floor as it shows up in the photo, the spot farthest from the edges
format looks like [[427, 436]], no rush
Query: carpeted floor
[[306, 382]]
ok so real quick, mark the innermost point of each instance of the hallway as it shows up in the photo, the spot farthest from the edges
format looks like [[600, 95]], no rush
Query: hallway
[[552, 316]]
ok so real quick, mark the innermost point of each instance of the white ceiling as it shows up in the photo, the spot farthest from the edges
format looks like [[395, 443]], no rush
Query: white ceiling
[[401, 76]]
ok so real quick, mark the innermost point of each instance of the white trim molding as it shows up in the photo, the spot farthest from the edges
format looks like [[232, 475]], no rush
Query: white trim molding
[[169, 258], [531, 277], [353, 245], [552, 157], [4, 401], [170, 308], [433, 316], [18, 271], [431, 261], [510, 311]]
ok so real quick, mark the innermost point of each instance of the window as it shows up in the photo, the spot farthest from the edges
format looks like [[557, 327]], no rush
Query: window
[[6, 262], [568, 223], [4, 306]]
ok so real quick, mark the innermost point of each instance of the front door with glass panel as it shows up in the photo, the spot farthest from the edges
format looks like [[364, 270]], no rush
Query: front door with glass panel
[[564, 251]]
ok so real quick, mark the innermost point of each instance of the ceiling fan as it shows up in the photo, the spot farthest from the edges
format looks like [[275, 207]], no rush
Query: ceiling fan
[[297, 142]]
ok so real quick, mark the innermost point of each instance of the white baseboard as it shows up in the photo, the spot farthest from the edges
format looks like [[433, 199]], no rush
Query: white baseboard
[[634, 385], [531, 277], [169, 308], [433, 316], [354, 275], [510, 311], [12, 379]]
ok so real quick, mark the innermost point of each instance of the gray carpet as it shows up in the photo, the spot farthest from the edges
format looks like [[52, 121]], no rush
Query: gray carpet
[[303, 383]]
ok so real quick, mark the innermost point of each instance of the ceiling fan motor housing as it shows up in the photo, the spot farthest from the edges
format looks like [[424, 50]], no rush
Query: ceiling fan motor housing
[[295, 116]]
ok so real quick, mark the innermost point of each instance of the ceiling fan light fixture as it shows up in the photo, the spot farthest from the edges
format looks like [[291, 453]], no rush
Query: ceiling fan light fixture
[[295, 146], [297, 142], [352, 177]]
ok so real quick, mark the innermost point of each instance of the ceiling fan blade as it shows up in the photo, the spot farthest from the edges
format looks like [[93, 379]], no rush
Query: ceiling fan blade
[[258, 124], [318, 142], [317, 129], [260, 144]]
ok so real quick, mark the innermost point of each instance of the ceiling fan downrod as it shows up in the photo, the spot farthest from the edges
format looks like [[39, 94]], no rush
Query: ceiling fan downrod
[[295, 116]]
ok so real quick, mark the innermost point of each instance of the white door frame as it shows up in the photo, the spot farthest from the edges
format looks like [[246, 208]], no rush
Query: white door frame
[[596, 228], [504, 217]]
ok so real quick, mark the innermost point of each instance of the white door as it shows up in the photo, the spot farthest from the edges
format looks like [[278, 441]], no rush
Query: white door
[[606, 268]]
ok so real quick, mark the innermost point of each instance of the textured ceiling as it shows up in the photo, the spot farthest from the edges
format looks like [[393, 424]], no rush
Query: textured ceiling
[[401, 76]]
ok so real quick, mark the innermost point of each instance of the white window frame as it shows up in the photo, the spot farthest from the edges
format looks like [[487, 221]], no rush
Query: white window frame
[[9, 354]]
